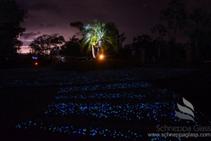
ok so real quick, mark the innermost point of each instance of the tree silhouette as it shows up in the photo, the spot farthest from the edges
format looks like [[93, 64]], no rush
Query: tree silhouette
[[47, 44], [199, 33], [175, 17], [116, 39], [72, 47], [11, 17], [142, 47], [142, 41], [159, 31], [79, 25], [121, 39]]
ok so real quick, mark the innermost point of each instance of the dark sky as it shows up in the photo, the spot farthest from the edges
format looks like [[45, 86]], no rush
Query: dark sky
[[54, 16]]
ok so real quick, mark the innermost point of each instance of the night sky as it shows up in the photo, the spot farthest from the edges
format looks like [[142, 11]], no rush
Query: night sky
[[134, 17]]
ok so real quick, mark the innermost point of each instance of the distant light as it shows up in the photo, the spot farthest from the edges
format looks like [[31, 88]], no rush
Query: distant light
[[36, 63], [34, 58], [101, 57]]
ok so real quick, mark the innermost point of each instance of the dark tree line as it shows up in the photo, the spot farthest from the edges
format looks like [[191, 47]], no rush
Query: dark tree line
[[11, 17], [47, 44], [181, 36], [75, 47]]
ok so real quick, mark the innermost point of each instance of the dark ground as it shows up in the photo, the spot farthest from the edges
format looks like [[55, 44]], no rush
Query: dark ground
[[196, 86], [18, 103]]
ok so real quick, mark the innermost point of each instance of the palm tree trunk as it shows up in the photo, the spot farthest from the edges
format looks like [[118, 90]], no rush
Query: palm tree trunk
[[93, 52], [99, 47]]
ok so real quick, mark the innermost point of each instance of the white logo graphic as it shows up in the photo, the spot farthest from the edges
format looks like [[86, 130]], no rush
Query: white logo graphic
[[185, 112]]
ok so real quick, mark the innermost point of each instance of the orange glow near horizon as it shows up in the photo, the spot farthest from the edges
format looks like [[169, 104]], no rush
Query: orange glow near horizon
[[24, 50]]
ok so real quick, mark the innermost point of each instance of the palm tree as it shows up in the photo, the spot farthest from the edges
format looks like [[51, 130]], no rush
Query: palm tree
[[97, 35]]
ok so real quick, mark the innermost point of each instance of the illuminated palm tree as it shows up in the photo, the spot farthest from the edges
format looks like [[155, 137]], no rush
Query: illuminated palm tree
[[97, 35]]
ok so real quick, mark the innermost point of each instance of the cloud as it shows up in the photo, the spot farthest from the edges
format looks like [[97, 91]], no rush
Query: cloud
[[130, 16], [29, 35], [43, 6], [47, 25]]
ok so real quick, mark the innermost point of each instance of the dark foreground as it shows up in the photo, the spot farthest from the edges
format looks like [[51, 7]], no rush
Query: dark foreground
[[125, 104]]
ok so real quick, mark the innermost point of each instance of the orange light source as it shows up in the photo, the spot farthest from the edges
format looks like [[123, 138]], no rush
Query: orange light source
[[101, 57], [36, 63]]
